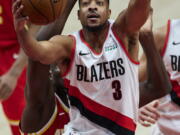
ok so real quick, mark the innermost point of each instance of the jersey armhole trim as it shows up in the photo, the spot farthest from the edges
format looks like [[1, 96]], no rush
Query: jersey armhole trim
[[64, 107], [47, 125], [123, 47], [166, 39], [71, 57]]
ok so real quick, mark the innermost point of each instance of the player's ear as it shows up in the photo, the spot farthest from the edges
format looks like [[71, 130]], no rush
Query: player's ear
[[109, 13], [78, 14]]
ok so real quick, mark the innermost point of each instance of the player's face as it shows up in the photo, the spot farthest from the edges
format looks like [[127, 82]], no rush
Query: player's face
[[93, 13]]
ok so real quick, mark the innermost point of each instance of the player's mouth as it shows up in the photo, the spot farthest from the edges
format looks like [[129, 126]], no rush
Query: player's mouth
[[93, 16]]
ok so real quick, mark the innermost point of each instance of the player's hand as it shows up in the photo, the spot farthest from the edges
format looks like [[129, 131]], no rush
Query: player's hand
[[7, 85], [147, 27], [149, 114], [19, 20]]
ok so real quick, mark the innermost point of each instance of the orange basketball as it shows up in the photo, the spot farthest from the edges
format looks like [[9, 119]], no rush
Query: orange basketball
[[42, 12]]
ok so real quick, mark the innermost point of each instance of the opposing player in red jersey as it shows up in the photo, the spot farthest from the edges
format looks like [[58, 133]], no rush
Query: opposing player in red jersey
[[12, 64], [100, 68], [46, 113]]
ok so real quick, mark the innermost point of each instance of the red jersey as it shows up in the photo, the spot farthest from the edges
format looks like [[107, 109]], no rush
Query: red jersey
[[7, 32], [55, 126]]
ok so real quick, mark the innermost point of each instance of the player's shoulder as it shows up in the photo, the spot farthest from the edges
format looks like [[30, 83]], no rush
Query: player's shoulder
[[63, 40], [60, 38]]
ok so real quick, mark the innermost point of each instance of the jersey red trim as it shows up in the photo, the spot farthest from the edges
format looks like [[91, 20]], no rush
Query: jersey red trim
[[71, 57], [99, 109], [166, 39], [123, 47], [176, 87]]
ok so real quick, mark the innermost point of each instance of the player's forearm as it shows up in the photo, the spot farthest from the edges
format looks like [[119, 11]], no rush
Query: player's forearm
[[18, 65], [30, 45], [158, 83]]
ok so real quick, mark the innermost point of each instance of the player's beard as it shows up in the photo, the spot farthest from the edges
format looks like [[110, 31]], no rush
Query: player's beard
[[96, 28]]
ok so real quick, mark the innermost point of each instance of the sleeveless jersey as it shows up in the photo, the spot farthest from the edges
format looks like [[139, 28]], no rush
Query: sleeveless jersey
[[172, 58], [169, 108], [7, 32], [103, 88]]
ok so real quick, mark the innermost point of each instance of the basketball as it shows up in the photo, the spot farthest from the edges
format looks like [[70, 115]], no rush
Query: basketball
[[42, 12]]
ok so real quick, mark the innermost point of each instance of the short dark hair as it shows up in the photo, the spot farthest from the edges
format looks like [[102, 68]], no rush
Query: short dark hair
[[106, 0]]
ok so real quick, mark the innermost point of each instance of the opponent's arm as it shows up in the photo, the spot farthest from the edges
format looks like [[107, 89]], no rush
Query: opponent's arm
[[159, 39], [39, 93], [157, 83], [9, 80], [57, 48]]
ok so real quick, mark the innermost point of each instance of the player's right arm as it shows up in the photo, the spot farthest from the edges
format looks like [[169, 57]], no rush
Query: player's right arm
[[47, 52]]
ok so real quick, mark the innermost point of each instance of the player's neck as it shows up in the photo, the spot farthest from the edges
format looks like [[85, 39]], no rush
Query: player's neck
[[96, 38]]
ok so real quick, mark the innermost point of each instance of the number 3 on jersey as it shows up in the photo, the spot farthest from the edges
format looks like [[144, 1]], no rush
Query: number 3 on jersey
[[1, 18], [116, 85]]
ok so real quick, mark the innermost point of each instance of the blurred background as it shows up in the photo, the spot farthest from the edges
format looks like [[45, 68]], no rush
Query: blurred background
[[163, 10]]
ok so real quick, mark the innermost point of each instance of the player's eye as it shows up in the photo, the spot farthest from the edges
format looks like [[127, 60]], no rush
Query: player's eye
[[84, 4], [99, 3]]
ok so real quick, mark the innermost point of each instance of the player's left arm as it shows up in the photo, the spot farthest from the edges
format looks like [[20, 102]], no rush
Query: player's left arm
[[132, 18]]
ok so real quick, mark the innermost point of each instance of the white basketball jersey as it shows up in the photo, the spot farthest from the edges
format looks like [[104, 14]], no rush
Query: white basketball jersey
[[169, 122], [103, 88], [171, 56]]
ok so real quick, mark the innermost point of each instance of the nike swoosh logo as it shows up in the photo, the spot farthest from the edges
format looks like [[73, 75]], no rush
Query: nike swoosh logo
[[176, 43], [82, 54]]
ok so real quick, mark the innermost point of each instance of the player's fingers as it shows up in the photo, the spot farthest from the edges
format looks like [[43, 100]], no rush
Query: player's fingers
[[152, 112], [146, 112], [23, 20], [147, 119], [2, 91], [19, 11], [144, 123], [5, 93], [1, 85], [16, 4]]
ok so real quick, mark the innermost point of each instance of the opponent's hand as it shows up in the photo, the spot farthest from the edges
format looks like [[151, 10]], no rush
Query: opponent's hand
[[7, 85], [146, 33], [149, 114], [19, 19]]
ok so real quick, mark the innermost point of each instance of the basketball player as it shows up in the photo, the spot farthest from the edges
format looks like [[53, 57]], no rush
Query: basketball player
[[166, 111], [12, 64], [99, 64], [45, 112]]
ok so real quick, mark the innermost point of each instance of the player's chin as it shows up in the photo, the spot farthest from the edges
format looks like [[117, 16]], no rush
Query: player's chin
[[92, 28]]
